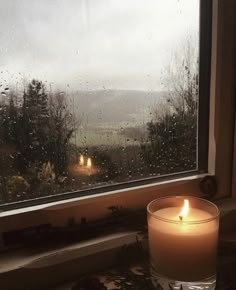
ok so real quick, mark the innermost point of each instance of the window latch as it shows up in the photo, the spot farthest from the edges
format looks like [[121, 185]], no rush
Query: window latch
[[208, 186]]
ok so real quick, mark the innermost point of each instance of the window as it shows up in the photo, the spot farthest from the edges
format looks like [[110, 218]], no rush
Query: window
[[101, 95]]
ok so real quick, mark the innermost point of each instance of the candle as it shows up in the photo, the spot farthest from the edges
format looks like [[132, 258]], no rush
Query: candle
[[183, 239], [89, 163], [81, 160]]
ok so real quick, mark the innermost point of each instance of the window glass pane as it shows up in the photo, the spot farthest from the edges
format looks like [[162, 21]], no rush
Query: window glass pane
[[96, 93]]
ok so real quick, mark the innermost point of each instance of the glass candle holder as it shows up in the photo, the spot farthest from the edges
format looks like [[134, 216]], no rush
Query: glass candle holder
[[183, 238]]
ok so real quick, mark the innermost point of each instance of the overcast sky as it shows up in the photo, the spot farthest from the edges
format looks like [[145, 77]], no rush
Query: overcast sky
[[92, 44]]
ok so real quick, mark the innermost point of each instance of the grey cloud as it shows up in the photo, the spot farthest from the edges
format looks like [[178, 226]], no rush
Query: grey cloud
[[93, 43]]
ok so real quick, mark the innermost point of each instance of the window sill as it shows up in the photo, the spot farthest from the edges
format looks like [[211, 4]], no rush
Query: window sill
[[31, 268], [95, 197], [96, 207], [45, 267]]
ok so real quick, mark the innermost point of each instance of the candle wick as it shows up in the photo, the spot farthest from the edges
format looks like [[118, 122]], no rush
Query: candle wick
[[180, 217]]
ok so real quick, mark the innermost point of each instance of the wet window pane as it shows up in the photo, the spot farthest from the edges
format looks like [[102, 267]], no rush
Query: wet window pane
[[96, 93]]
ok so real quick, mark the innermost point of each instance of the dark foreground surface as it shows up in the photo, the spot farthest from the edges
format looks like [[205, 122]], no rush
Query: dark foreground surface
[[135, 276]]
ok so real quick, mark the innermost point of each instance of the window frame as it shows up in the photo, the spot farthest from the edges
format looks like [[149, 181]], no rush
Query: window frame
[[202, 129], [95, 206], [234, 165], [223, 100]]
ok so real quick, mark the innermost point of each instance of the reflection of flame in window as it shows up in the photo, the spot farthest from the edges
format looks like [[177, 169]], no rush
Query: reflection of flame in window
[[81, 160], [89, 163]]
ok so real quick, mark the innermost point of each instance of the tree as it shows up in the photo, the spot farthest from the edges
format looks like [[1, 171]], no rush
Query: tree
[[34, 139], [172, 135], [12, 120], [33, 127], [62, 126], [8, 118]]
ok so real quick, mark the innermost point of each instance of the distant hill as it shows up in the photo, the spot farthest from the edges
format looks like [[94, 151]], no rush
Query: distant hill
[[114, 106]]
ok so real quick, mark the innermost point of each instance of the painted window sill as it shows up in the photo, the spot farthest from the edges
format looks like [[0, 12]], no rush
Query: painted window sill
[[32, 269]]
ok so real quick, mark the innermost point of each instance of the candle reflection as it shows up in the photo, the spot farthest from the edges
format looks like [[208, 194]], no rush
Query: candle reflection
[[84, 167], [81, 160], [89, 163]]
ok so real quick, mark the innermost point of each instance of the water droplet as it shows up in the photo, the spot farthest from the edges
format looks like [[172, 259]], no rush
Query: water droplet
[[3, 94]]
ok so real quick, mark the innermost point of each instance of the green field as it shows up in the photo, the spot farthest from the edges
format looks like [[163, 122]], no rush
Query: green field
[[109, 136]]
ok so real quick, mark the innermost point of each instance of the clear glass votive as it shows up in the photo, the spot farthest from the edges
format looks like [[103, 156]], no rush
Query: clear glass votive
[[183, 238]]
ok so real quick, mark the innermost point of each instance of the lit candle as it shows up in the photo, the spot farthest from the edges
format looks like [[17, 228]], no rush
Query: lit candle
[[183, 240], [81, 160], [89, 163]]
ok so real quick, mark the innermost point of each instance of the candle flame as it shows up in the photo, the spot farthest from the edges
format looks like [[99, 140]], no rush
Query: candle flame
[[185, 210], [89, 163], [81, 160]]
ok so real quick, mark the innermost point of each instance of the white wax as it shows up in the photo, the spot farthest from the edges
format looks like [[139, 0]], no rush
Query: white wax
[[181, 250]]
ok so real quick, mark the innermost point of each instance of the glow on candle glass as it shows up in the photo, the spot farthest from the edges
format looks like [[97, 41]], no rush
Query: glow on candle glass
[[177, 239], [81, 160], [185, 210], [89, 163]]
